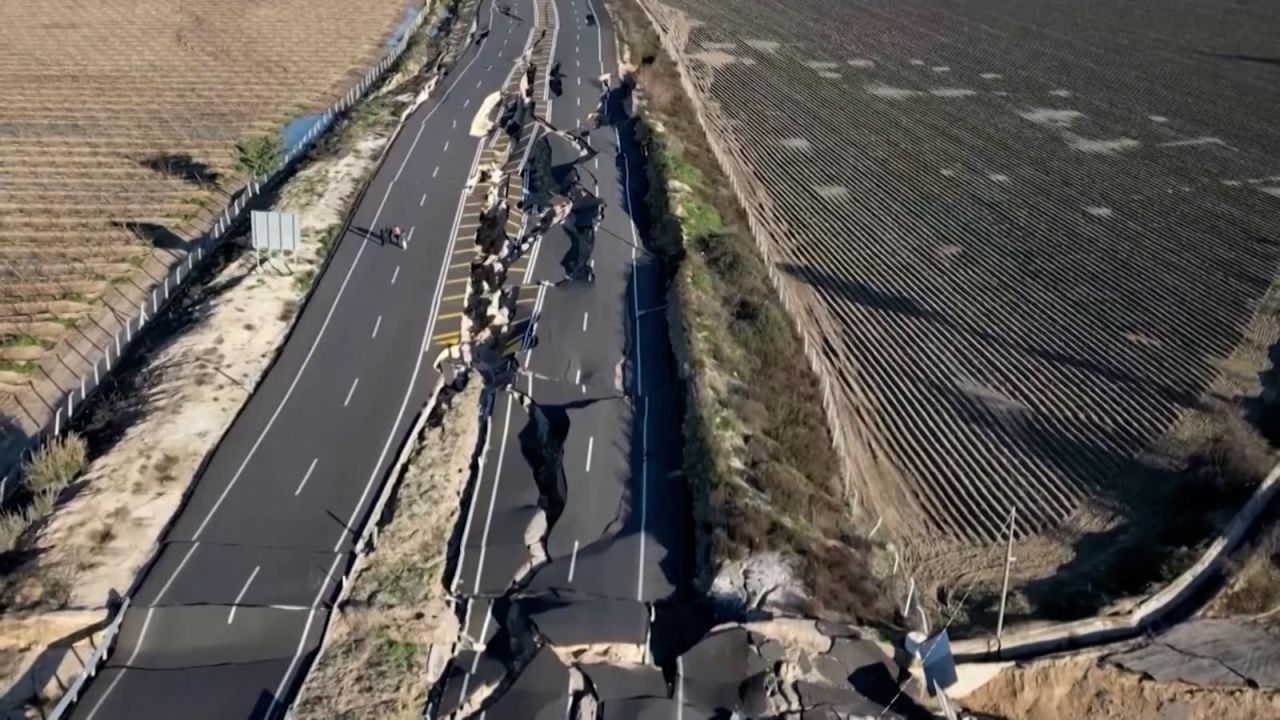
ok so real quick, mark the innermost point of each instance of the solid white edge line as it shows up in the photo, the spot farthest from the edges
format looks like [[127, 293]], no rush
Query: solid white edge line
[[644, 495], [471, 511], [555, 38], [493, 498], [302, 641], [680, 687], [232, 615], [306, 477]]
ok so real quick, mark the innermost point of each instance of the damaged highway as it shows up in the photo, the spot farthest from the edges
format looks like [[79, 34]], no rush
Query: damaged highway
[[571, 568]]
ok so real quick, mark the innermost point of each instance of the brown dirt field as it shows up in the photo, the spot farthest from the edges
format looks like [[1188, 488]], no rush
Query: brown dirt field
[[1077, 688], [117, 134], [996, 331]]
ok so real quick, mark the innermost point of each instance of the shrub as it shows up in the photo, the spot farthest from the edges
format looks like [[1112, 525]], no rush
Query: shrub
[[12, 526], [259, 154], [55, 465]]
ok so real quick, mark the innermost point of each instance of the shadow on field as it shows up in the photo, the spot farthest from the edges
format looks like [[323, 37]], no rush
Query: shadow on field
[[1244, 58], [156, 235], [184, 167]]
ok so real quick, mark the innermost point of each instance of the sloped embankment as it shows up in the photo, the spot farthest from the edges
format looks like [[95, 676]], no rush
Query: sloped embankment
[[377, 659], [772, 523]]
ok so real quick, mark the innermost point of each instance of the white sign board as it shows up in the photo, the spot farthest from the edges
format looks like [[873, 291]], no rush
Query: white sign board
[[275, 231]]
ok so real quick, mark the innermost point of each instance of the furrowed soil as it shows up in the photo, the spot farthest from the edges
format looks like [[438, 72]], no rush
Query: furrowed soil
[[1035, 252], [118, 133]]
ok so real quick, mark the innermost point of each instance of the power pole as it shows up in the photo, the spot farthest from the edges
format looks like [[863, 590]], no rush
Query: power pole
[[1008, 563]]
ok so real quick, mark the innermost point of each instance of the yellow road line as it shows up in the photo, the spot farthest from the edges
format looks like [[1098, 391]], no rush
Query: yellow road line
[[449, 316], [454, 297], [445, 337]]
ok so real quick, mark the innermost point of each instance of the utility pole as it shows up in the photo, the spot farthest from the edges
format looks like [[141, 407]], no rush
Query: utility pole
[[1008, 563]]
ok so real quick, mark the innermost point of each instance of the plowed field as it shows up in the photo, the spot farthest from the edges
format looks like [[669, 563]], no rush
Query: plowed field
[[1031, 238], [118, 121]]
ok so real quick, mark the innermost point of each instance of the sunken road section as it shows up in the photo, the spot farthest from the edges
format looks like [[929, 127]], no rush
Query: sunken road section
[[1028, 233]]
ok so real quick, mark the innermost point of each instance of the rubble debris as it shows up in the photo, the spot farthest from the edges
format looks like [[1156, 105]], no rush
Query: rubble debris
[[618, 681]]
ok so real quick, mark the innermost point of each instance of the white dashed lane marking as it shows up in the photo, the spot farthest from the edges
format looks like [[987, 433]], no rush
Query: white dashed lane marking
[[306, 477], [232, 615]]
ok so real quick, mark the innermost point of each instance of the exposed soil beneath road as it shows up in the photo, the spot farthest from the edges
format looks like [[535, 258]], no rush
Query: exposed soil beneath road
[[1084, 687]]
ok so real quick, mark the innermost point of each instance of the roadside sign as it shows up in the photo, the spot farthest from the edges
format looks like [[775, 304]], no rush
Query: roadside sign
[[275, 231]]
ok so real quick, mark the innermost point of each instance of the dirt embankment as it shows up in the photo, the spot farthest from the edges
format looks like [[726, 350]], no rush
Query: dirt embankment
[[758, 452], [397, 619], [1084, 687]]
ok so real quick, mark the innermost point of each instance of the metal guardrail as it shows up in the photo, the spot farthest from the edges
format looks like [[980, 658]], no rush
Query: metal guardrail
[[210, 241], [96, 658], [159, 299]]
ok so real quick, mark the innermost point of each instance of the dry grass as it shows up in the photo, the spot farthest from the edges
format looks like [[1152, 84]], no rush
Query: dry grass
[[1254, 589], [375, 662], [55, 465], [757, 448], [50, 470]]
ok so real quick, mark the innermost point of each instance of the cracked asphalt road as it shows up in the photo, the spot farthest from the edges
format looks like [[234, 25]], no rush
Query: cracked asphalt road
[[225, 624], [622, 527], [579, 520]]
